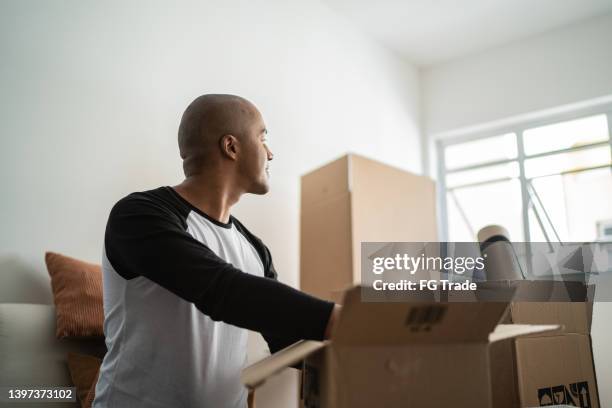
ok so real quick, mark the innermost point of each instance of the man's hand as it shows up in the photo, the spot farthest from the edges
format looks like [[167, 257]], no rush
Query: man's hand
[[333, 319]]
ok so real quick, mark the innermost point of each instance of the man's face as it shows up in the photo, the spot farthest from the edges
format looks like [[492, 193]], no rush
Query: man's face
[[255, 156]]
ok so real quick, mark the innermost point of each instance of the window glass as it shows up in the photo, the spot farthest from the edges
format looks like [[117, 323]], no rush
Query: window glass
[[567, 162], [548, 209], [565, 135], [481, 151], [482, 174], [472, 208], [577, 204], [570, 193]]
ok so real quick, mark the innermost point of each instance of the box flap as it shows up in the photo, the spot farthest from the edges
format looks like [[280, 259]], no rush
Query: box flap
[[567, 303], [395, 323], [507, 331], [255, 374], [573, 316], [541, 290]]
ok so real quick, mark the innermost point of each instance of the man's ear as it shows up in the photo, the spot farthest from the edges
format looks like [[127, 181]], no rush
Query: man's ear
[[229, 146]]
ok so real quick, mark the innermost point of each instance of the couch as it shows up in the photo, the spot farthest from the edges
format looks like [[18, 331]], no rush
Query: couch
[[30, 353]]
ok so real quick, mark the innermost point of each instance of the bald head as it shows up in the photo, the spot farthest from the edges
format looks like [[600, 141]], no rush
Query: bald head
[[205, 121]]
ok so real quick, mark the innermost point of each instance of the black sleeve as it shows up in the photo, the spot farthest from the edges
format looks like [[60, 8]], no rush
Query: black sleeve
[[275, 342], [144, 238]]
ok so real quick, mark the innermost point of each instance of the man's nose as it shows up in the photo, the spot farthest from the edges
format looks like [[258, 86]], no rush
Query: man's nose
[[270, 155]]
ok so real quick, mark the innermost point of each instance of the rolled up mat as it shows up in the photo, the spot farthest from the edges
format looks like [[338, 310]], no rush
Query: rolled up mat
[[501, 262]]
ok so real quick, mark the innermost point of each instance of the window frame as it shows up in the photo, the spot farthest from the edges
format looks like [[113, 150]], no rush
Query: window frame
[[518, 128]]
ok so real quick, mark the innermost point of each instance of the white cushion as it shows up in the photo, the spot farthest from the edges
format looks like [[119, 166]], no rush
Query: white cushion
[[31, 355]]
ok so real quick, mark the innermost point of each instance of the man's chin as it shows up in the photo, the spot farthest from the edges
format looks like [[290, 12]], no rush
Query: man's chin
[[260, 188]]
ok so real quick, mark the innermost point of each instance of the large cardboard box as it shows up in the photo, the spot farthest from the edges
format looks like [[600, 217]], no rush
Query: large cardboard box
[[548, 368], [353, 200], [418, 354]]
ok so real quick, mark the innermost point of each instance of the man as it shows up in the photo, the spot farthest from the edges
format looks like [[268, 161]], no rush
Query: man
[[183, 278]]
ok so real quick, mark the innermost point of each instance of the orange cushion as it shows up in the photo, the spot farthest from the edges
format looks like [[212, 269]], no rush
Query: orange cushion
[[77, 292], [84, 371], [89, 398]]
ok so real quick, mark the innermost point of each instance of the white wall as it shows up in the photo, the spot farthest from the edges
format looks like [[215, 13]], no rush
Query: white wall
[[557, 68], [92, 93], [505, 85]]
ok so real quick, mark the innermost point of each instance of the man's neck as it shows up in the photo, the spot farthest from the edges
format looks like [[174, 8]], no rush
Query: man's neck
[[212, 195]]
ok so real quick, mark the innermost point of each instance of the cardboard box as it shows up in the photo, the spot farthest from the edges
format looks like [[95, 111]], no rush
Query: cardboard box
[[554, 367], [556, 370], [419, 354], [353, 200]]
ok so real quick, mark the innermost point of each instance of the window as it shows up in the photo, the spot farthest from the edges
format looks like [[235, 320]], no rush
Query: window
[[547, 181]]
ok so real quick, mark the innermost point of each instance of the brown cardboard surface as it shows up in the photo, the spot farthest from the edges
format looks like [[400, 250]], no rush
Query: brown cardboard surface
[[390, 364], [575, 316], [321, 388], [504, 386], [557, 367], [547, 362], [325, 183], [395, 323], [353, 200], [416, 376], [540, 290], [325, 248], [571, 315], [389, 205], [548, 302]]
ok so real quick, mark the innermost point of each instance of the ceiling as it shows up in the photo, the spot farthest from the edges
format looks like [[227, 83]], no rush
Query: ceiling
[[427, 32]]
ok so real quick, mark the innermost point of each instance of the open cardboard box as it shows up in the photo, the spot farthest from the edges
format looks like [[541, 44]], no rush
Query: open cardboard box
[[418, 354], [547, 368]]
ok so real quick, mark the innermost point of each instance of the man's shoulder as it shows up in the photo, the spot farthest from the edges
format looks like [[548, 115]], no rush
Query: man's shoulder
[[158, 201], [150, 195]]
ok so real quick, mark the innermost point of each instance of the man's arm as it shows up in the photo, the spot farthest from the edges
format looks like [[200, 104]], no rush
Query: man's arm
[[143, 238], [276, 343]]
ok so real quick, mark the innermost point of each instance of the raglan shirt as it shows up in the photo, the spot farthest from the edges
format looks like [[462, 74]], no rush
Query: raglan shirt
[[180, 290]]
